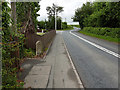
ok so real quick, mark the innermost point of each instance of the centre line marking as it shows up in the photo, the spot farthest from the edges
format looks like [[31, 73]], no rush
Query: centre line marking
[[98, 46]]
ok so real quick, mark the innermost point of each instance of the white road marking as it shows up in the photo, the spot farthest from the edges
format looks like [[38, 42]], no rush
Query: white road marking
[[98, 46], [74, 69]]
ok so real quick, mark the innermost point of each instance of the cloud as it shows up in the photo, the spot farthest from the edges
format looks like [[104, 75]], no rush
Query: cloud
[[69, 8]]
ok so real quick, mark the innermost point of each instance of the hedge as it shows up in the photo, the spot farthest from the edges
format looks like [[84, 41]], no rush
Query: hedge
[[104, 31]]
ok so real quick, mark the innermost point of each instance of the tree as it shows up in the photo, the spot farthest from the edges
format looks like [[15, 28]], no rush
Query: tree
[[112, 14], [59, 23], [27, 11], [64, 25], [82, 13], [51, 10], [9, 45], [41, 25], [98, 14], [51, 15]]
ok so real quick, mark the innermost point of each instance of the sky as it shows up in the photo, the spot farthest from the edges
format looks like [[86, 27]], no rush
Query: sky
[[69, 9]]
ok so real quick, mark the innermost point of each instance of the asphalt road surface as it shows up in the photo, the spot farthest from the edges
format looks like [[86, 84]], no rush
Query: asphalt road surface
[[96, 68]]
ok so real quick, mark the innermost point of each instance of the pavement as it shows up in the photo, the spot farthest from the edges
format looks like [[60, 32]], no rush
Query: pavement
[[55, 71]]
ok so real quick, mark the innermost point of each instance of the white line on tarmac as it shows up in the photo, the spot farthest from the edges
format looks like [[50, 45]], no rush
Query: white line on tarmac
[[98, 46], [74, 69]]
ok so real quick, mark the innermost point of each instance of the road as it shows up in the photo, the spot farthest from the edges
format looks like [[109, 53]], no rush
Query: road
[[96, 68]]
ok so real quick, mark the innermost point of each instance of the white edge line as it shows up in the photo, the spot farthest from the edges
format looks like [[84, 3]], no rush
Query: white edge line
[[97, 46], [74, 69]]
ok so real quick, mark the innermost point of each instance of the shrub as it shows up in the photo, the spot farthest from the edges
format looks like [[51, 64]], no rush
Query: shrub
[[112, 32], [9, 74], [29, 53]]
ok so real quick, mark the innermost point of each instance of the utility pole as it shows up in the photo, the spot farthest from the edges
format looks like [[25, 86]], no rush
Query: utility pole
[[61, 23]]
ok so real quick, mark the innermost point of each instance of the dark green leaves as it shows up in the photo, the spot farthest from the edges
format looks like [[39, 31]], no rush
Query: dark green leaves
[[98, 14]]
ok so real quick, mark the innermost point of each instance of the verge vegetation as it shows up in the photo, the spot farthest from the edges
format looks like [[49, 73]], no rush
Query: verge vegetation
[[100, 19], [39, 33], [13, 39], [110, 34], [69, 27]]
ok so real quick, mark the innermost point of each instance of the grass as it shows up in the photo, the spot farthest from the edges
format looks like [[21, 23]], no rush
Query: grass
[[39, 33], [29, 53], [78, 26], [108, 38], [69, 28]]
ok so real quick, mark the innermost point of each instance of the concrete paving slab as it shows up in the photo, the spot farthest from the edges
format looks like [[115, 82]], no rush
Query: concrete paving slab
[[62, 74], [56, 72], [37, 77], [36, 81], [41, 70]]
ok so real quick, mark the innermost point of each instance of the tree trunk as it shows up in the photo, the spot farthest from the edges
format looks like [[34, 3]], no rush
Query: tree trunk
[[13, 15]]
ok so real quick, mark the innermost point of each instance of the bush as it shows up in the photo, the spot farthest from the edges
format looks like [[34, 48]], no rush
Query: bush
[[64, 25], [112, 32], [9, 74], [29, 53]]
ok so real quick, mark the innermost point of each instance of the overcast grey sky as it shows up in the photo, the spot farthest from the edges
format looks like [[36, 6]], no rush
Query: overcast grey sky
[[69, 8]]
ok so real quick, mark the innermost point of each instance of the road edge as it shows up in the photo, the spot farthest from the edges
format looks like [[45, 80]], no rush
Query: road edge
[[97, 46], [73, 67]]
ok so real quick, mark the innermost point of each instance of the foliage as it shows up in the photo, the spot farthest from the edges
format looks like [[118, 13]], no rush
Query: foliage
[[69, 27], [40, 33], [105, 15], [64, 25], [9, 74], [76, 26], [51, 10], [41, 25], [11, 41], [5, 22], [59, 23], [29, 53], [82, 13], [23, 9], [98, 14], [51, 23], [51, 16], [108, 38], [112, 32]]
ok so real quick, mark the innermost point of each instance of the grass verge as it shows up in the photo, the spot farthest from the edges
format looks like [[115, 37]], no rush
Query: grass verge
[[78, 26], [39, 33], [108, 38], [69, 28]]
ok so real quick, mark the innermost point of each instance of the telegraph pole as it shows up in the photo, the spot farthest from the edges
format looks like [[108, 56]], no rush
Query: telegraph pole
[[61, 23]]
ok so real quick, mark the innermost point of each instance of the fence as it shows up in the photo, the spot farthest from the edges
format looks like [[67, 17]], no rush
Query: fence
[[31, 39]]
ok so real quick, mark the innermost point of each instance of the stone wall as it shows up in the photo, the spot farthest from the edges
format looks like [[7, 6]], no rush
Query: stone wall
[[45, 39]]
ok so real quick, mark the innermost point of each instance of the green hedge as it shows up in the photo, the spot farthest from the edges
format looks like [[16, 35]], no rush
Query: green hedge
[[112, 32]]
